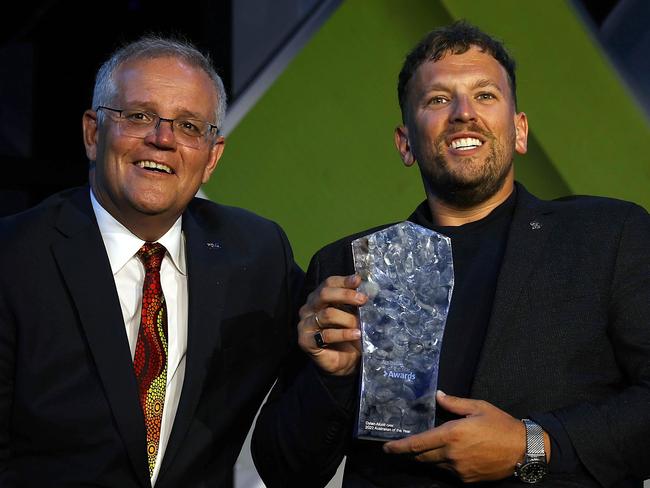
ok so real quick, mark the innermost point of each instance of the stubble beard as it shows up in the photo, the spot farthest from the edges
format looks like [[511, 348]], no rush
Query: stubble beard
[[457, 188]]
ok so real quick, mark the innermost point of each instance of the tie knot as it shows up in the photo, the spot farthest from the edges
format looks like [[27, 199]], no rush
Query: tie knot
[[151, 254]]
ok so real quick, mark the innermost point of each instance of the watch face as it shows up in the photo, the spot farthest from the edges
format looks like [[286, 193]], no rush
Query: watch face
[[532, 472]]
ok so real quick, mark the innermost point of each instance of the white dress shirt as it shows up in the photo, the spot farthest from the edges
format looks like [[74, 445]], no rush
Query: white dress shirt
[[128, 272]]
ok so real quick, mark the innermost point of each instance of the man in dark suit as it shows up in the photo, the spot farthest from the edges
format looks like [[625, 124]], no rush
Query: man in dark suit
[[140, 327], [545, 362]]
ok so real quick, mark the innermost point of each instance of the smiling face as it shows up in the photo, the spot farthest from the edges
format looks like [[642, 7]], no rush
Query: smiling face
[[462, 129], [146, 183]]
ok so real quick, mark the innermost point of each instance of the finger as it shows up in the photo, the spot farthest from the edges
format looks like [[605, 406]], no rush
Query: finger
[[317, 320], [350, 281], [459, 405], [320, 342], [328, 318], [416, 444], [335, 336], [326, 296], [437, 456], [335, 290], [331, 317]]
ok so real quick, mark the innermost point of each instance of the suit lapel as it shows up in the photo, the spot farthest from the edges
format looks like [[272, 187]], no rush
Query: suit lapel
[[532, 223], [82, 259], [207, 277]]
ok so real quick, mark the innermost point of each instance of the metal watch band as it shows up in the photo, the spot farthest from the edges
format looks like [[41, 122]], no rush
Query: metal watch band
[[534, 439]]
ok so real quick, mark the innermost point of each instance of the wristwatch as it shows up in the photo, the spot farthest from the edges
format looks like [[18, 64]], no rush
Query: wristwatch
[[534, 467]]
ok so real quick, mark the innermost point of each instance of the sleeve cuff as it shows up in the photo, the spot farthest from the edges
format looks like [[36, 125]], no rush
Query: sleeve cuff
[[564, 458]]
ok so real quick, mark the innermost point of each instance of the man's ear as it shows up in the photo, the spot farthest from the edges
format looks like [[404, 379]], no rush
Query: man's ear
[[90, 131], [216, 151], [521, 133], [403, 146]]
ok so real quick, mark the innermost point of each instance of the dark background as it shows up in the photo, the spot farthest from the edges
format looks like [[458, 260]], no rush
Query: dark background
[[50, 51]]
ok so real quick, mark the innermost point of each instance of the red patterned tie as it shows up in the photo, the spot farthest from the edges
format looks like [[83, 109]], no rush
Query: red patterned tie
[[150, 360]]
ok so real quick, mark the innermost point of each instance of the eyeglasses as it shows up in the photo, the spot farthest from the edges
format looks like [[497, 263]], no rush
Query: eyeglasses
[[138, 123]]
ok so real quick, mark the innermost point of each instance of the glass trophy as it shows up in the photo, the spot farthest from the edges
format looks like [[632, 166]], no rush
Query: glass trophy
[[407, 272]]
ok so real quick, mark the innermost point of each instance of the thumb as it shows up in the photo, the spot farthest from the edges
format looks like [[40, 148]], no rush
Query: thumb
[[457, 405]]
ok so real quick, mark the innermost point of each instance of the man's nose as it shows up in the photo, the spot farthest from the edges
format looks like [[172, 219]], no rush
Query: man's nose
[[162, 134], [462, 109]]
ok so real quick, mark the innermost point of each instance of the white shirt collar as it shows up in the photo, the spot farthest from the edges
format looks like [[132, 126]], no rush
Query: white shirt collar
[[121, 244]]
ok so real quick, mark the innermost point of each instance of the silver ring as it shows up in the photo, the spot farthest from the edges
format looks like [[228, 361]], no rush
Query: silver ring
[[318, 339], [320, 327]]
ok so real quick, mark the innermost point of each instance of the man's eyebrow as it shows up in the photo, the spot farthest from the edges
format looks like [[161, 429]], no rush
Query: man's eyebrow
[[485, 83], [481, 83], [435, 87], [150, 107]]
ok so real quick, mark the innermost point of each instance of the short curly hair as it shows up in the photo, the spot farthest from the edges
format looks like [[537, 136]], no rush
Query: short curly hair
[[456, 38]]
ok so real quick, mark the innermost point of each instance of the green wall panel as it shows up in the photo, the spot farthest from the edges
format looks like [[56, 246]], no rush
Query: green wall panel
[[316, 153]]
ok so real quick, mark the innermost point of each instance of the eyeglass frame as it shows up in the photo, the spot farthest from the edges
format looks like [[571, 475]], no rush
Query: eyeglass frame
[[214, 129]]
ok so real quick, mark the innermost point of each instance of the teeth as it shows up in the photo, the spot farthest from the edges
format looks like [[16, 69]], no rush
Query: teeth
[[466, 143], [154, 165]]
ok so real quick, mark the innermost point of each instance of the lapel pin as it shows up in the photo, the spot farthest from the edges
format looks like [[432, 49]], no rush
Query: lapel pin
[[535, 225], [213, 245]]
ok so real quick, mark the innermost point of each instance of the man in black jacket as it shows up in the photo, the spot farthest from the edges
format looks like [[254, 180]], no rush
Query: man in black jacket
[[140, 327], [545, 363]]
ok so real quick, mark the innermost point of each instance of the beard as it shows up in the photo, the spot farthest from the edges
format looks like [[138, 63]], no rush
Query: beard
[[474, 182]]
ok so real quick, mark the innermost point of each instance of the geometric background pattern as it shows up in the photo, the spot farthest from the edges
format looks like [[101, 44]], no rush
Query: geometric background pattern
[[316, 152]]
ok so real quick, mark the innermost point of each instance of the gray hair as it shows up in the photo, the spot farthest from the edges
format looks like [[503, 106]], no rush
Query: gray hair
[[153, 47]]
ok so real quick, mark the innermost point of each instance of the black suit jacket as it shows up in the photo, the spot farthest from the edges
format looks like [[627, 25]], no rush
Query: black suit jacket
[[69, 411], [569, 334]]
